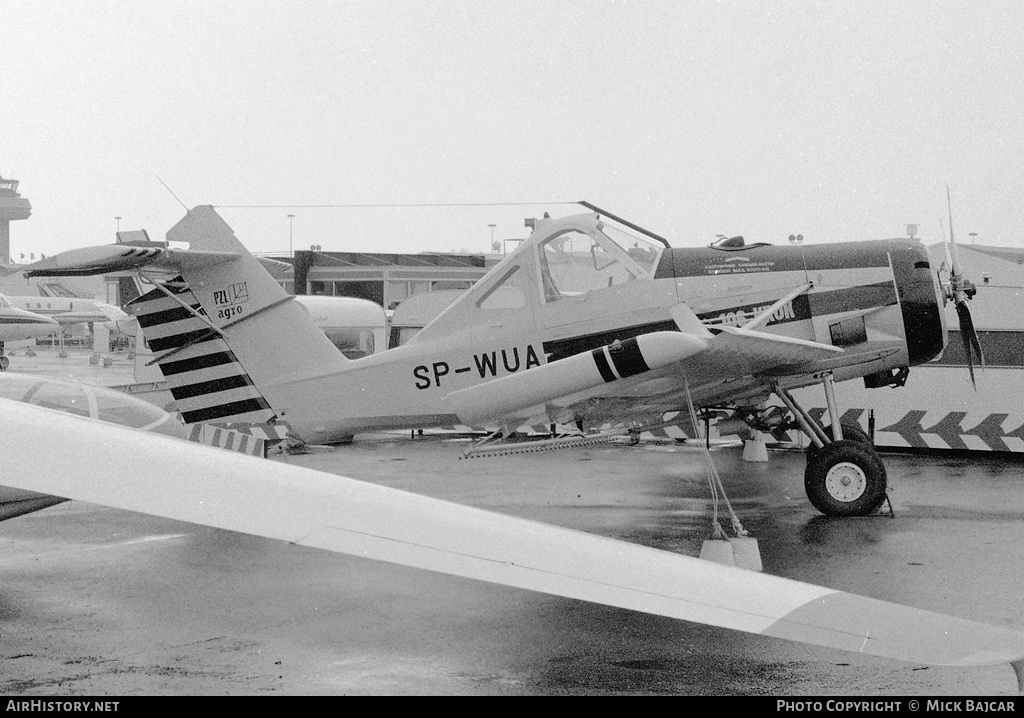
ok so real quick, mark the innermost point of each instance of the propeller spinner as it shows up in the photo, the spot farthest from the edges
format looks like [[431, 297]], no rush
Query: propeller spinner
[[961, 290]]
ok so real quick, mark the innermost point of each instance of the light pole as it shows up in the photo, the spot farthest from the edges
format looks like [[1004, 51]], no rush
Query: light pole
[[492, 226], [973, 235], [118, 223], [290, 252]]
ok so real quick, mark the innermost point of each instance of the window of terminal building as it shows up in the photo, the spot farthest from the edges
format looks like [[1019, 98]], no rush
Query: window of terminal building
[[374, 291]]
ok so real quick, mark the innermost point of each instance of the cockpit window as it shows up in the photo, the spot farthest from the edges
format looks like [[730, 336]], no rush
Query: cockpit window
[[574, 263], [62, 396], [640, 250], [89, 401]]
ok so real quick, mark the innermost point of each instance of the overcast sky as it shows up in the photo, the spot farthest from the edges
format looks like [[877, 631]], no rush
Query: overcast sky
[[835, 120]]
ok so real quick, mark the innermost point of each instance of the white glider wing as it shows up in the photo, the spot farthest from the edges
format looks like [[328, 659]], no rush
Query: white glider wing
[[207, 486]]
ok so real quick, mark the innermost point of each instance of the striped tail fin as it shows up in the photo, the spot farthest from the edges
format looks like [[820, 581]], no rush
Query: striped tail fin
[[205, 378], [231, 343]]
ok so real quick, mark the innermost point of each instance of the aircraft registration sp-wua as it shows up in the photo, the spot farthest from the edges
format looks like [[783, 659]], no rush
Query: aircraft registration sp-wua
[[583, 323], [190, 482]]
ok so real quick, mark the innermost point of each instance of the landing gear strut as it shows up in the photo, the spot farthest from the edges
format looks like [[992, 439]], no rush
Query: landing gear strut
[[844, 474]]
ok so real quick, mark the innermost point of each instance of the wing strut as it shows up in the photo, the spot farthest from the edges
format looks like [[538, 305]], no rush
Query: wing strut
[[762, 318]]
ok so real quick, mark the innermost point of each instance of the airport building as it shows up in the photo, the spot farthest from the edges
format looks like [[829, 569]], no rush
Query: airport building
[[387, 279], [12, 207]]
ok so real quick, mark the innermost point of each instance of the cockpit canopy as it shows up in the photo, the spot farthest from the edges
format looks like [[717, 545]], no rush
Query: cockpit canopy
[[574, 262], [89, 401]]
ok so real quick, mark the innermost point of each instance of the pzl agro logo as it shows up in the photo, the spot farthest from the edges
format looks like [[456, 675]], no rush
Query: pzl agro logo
[[231, 299]]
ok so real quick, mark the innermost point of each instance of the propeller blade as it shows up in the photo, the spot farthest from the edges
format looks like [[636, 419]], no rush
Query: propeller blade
[[955, 266], [948, 264], [962, 291], [969, 336]]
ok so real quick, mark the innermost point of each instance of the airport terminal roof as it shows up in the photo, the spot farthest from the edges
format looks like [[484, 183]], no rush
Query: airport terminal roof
[[366, 259]]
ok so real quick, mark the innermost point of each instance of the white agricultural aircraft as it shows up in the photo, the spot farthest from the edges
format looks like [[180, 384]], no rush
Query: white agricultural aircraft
[[584, 323], [581, 323]]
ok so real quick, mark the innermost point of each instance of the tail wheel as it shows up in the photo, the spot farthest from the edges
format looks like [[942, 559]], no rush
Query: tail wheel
[[845, 478]]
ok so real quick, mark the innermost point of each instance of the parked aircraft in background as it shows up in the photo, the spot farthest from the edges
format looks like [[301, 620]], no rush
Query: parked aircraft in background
[[68, 311], [18, 324], [184, 481], [357, 327], [583, 323], [417, 312]]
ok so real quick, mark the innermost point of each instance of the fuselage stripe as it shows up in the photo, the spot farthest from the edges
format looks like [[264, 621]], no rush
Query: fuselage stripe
[[627, 358], [602, 364], [27, 320]]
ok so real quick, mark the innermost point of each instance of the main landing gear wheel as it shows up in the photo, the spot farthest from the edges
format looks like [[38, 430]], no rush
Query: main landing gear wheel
[[845, 478], [851, 432]]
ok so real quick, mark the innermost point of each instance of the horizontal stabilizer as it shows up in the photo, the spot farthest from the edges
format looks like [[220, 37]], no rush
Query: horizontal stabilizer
[[502, 398], [184, 481], [111, 258]]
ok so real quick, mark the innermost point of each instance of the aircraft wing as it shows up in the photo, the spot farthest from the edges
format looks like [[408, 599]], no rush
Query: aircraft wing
[[68, 318], [733, 352], [183, 481]]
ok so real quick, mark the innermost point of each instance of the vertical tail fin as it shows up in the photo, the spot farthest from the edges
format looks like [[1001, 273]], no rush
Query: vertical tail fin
[[205, 378], [229, 339]]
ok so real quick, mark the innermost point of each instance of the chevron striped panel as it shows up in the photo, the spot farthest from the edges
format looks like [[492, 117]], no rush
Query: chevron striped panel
[[204, 376]]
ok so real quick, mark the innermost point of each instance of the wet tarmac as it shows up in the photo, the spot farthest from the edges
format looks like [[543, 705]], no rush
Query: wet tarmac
[[99, 601]]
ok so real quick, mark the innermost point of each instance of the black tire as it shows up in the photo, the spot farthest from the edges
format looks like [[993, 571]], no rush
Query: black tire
[[4, 363], [851, 432], [845, 478]]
